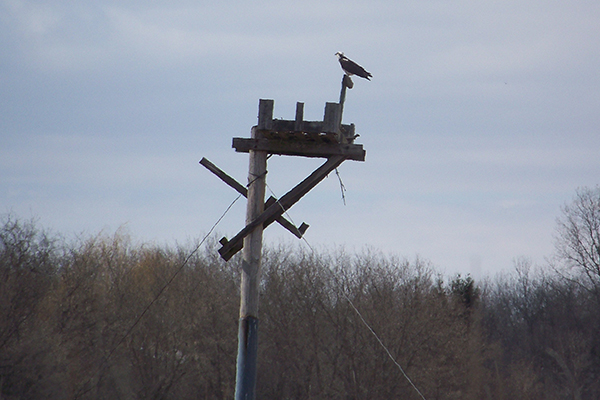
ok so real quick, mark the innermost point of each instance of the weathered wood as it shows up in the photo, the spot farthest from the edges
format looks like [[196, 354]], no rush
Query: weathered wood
[[346, 83], [278, 208], [253, 241], [265, 114], [299, 121], [250, 276], [301, 148], [316, 131], [283, 125], [348, 134], [298, 232], [241, 189], [331, 118]]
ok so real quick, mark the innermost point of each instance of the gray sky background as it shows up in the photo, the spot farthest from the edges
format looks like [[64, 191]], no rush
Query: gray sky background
[[481, 120]]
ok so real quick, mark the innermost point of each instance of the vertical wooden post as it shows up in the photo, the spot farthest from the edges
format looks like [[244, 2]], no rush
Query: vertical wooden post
[[332, 118], [299, 121], [252, 252], [346, 83]]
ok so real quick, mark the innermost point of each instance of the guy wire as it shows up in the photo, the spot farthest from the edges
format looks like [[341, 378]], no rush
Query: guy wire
[[82, 391], [364, 321]]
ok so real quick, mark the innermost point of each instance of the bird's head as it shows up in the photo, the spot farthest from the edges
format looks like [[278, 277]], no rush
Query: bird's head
[[339, 54]]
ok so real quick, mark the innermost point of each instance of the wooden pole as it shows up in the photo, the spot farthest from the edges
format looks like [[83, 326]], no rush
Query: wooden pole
[[250, 279], [346, 82]]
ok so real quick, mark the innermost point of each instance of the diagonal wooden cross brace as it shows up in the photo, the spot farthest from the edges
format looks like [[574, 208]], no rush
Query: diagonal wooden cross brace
[[276, 210], [298, 232]]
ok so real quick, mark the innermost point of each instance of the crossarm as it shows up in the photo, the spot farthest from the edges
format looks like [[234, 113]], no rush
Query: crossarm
[[298, 232], [277, 209]]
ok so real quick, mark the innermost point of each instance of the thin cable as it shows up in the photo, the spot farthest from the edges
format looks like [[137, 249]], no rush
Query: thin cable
[[160, 292], [364, 321], [384, 346], [353, 306], [172, 278]]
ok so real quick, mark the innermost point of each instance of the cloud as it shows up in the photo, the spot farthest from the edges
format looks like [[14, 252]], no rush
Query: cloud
[[480, 120], [101, 35]]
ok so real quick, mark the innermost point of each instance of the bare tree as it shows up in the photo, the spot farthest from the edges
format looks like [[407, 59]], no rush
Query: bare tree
[[27, 263], [578, 241]]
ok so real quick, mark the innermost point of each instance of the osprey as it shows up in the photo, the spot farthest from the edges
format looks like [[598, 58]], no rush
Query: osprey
[[352, 68]]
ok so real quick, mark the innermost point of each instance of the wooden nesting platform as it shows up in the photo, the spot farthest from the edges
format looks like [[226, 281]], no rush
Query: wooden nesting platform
[[297, 137], [300, 136]]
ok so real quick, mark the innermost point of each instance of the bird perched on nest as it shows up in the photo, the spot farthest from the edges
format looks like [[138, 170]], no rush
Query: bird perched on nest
[[351, 68]]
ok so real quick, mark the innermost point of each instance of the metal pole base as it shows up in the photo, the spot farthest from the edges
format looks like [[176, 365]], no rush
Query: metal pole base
[[245, 382]]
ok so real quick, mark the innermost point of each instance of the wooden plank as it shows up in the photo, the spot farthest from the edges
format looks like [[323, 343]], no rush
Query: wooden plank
[[299, 121], [283, 125], [278, 208], [332, 118], [241, 189], [300, 148], [265, 114], [298, 232]]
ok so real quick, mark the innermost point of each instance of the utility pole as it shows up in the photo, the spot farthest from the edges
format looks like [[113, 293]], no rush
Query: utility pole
[[245, 385], [328, 139]]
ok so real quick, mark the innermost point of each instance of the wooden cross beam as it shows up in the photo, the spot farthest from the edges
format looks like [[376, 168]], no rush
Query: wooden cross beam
[[298, 232], [276, 210], [300, 148]]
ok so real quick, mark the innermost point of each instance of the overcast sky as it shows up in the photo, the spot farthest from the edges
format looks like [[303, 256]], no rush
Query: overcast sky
[[480, 122]]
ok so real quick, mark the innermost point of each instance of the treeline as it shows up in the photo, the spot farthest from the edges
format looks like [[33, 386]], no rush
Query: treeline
[[95, 319]]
